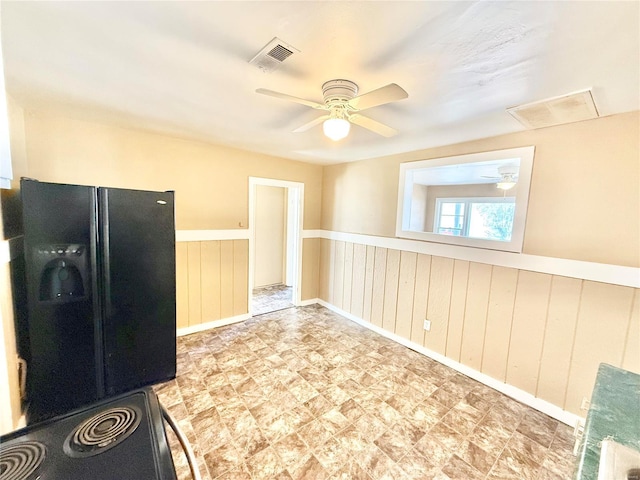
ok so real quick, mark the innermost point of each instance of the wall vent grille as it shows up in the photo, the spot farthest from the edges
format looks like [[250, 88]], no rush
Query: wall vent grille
[[573, 107]]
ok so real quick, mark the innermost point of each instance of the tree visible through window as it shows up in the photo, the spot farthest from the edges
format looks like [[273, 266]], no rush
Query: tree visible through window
[[484, 218]]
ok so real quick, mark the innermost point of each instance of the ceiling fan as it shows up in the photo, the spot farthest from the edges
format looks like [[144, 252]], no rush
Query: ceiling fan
[[508, 177], [343, 107]]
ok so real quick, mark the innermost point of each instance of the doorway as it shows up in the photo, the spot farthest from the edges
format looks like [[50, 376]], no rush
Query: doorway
[[275, 244]]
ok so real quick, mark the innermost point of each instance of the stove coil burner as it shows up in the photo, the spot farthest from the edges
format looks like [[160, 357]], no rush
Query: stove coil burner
[[102, 431], [20, 460]]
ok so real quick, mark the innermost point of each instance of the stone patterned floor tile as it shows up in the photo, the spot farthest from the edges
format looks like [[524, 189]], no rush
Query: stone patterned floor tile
[[303, 393], [271, 298]]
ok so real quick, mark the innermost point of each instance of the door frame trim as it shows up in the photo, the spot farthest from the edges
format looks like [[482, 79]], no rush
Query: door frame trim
[[289, 185]]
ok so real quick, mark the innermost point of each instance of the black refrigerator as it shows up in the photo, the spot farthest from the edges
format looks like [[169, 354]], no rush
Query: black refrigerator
[[100, 274]]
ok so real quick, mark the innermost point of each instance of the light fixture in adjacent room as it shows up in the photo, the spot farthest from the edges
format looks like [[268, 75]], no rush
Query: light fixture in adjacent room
[[336, 128], [508, 177], [506, 184]]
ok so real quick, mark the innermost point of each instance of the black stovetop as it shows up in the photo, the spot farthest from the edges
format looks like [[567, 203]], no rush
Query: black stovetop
[[120, 438]]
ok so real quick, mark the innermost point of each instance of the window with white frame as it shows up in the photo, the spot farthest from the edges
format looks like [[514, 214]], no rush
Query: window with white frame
[[483, 217]]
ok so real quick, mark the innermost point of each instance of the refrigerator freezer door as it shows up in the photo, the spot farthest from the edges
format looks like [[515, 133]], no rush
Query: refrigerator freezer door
[[63, 318], [137, 232]]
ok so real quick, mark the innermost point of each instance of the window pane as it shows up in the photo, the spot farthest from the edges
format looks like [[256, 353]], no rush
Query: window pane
[[493, 221], [451, 222], [450, 208]]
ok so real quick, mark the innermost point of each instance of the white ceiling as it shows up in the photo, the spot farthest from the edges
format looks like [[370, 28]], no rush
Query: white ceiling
[[181, 68]]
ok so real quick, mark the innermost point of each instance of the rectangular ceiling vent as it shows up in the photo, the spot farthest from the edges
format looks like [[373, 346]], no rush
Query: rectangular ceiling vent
[[573, 107], [272, 55]]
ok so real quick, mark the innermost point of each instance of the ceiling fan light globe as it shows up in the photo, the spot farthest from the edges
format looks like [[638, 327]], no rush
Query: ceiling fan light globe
[[508, 185], [336, 128]]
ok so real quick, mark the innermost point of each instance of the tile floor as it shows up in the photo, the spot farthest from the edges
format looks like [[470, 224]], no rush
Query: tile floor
[[271, 298], [304, 393]]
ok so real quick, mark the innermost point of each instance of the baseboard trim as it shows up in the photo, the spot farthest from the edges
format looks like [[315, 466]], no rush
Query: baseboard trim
[[306, 303], [520, 395], [213, 324]]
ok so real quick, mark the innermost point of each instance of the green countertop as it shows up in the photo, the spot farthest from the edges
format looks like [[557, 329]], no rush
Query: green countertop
[[614, 413]]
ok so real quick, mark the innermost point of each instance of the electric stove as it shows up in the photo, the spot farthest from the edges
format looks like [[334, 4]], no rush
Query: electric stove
[[120, 438]]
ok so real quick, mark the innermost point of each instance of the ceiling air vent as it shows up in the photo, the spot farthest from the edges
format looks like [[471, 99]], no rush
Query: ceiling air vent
[[272, 55], [573, 107]]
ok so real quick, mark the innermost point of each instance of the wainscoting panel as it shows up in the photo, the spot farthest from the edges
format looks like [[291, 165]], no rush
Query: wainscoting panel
[[182, 285], [475, 314], [542, 333], [338, 281], [564, 302], [406, 287], [421, 292], [459, 287], [359, 275], [226, 278], [498, 330], [603, 324], [211, 280], [377, 300], [240, 277], [390, 303], [527, 329], [348, 266], [194, 275], [369, 271], [438, 302]]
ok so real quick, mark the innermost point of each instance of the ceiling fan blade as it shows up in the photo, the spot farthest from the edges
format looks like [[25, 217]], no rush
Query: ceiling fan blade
[[380, 96], [311, 124], [284, 96], [374, 126]]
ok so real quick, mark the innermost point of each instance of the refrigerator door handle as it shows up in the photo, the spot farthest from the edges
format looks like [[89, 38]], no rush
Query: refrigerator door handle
[[104, 252], [98, 312]]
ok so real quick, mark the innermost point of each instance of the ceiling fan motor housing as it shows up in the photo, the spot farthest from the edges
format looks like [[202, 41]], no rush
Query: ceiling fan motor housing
[[342, 104], [511, 170], [335, 91]]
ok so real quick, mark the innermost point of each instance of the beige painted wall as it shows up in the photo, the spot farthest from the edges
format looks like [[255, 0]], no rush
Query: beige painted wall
[[270, 235], [583, 203], [211, 182], [544, 334]]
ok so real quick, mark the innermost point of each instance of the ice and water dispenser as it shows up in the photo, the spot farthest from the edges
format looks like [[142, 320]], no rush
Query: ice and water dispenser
[[63, 272]]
